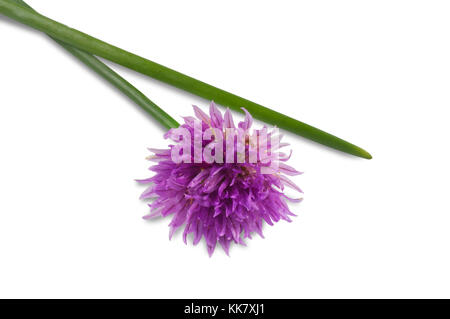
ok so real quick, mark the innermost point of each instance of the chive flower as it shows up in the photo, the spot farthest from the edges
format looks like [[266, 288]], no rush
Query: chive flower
[[222, 202]]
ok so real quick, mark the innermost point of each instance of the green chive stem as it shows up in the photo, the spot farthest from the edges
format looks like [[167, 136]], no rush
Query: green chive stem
[[116, 80], [97, 47]]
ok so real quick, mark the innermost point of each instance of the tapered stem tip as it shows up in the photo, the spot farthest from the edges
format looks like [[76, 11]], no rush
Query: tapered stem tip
[[365, 154]]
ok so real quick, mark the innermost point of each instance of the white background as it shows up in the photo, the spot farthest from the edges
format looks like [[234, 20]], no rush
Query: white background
[[374, 72]]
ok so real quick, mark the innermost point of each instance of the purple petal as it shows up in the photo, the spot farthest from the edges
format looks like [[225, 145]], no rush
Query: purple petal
[[202, 116], [228, 122], [216, 116], [247, 123]]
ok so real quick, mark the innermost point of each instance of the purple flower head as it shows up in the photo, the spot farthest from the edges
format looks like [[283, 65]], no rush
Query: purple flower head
[[222, 201]]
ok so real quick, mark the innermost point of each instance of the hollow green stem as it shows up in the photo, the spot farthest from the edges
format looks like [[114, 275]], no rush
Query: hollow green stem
[[116, 80], [97, 47]]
